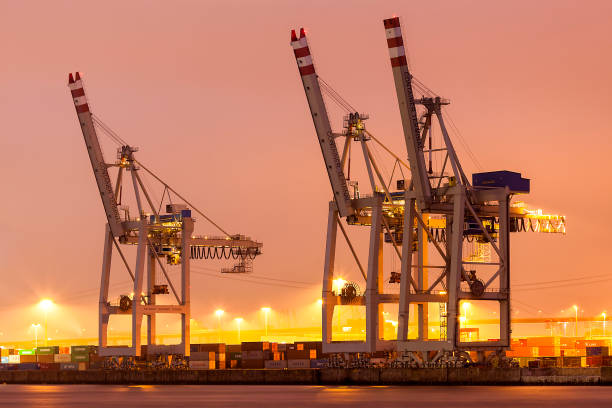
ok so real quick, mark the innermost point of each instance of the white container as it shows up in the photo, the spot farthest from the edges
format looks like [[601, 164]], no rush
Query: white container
[[14, 359], [301, 363]]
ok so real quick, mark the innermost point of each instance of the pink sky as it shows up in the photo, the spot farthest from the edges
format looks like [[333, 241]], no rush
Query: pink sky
[[210, 93]]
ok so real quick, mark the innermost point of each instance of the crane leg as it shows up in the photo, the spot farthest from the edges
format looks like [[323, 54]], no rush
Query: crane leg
[[329, 301]]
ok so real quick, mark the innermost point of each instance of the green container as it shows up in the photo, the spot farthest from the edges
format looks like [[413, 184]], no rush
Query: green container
[[47, 350], [27, 352], [81, 349], [79, 358]]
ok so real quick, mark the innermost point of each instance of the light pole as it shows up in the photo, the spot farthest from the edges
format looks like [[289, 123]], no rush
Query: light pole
[[604, 323], [238, 322], [219, 314], [576, 325], [266, 311], [36, 327], [46, 305]]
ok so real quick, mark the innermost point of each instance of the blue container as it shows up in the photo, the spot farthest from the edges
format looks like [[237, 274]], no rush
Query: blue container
[[502, 178], [318, 363], [186, 213], [29, 366], [597, 351]]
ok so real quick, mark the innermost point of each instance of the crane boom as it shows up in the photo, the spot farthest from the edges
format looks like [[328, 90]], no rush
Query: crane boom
[[405, 98], [321, 123], [95, 155]]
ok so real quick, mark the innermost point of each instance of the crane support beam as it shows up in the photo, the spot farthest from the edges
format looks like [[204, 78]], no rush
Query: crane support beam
[[407, 107], [94, 150], [321, 123]]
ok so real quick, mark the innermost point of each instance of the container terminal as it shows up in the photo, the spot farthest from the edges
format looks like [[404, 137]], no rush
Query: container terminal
[[448, 233]]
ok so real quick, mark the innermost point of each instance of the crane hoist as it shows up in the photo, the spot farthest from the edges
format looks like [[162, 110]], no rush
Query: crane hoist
[[161, 239], [467, 221]]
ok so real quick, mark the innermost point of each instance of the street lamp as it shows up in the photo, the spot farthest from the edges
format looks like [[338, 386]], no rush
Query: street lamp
[[46, 305], [576, 326], [36, 327], [219, 314], [266, 311], [238, 322]]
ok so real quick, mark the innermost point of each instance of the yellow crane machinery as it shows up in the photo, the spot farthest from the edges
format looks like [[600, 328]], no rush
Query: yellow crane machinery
[[433, 202], [162, 240]]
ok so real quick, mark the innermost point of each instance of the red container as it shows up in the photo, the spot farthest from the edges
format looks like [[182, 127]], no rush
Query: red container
[[252, 364], [594, 361], [49, 366]]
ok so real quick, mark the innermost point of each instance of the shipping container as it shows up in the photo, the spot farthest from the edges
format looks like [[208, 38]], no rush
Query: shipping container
[[83, 349], [253, 355], [255, 346], [64, 350], [27, 352], [202, 356], [252, 364], [79, 358], [83, 366], [298, 363], [27, 359], [533, 364], [28, 366], [606, 361], [14, 359], [47, 350], [49, 366], [299, 354], [202, 365], [281, 347], [235, 364], [322, 363], [45, 358], [596, 351], [234, 355], [62, 358], [69, 366], [594, 361], [276, 364], [233, 348], [571, 362], [215, 347], [4, 360]]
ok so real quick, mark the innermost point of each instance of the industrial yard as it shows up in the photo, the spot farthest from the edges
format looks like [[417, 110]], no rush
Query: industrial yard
[[359, 198]]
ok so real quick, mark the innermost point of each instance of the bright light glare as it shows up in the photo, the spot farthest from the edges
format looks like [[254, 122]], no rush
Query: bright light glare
[[46, 304], [320, 302], [219, 312], [266, 309], [338, 284], [239, 320], [575, 308]]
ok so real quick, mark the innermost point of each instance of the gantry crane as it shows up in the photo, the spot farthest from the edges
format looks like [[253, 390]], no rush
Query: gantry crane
[[161, 240], [468, 222]]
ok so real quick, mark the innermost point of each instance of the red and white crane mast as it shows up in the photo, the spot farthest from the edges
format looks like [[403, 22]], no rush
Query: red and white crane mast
[[94, 151], [321, 123]]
